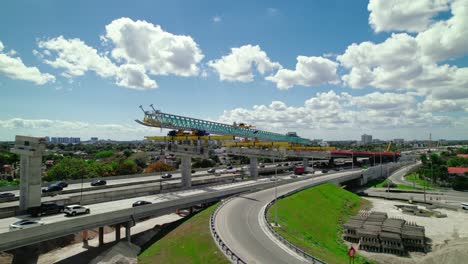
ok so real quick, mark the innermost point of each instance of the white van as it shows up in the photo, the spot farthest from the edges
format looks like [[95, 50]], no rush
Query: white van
[[464, 206]]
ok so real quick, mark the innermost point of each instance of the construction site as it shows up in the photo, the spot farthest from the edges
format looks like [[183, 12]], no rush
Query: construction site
[[376, 232]]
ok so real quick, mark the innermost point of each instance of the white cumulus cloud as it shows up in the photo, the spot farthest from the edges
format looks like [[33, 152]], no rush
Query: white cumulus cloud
[[310, 71], [404, 15], [134, 76], [160, 52], [76, 57], [241, 62], [14, 68]]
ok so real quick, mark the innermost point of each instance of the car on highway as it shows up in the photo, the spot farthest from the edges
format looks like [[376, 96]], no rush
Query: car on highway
[[324, 171], [62, 184], [464, 206], [229, 168], [45, 209], [76, 209], [25, 223], [194, 171], [286, 164], [278, 165], [211, 171], [7, 195], [98, 183], [166, 176], [52, 189], [140, 203]]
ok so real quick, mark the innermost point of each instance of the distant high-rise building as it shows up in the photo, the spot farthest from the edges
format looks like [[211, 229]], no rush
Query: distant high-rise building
[[65, 140], [366, 139], [94, 139], [398, 141]]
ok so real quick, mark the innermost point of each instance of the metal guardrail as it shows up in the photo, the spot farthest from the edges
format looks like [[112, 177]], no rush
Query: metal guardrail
[[224, 248], [299, 251]]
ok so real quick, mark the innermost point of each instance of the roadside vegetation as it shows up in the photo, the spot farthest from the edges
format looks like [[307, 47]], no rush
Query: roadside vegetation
[[189, 242], [312, 220], [383, 183]]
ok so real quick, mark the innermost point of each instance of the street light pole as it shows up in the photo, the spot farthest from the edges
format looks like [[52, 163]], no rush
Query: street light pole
[[81, 191], [276, 194]]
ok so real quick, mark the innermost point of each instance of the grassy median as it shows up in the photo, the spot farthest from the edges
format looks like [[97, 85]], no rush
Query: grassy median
[[189, 242], [313, 220]]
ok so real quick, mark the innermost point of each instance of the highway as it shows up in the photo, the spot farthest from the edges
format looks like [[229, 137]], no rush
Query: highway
[[138, 180], [239, 224]]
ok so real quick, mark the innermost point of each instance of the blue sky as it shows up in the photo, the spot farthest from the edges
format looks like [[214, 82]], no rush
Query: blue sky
[[235, 61]]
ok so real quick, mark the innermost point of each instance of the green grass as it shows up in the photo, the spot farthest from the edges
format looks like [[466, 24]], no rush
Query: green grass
[[420, 181], [313, 220], [190, 242], [398, 186], [7, 183]]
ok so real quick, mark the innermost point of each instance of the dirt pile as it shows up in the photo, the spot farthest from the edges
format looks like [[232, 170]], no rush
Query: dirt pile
[[122, 253]]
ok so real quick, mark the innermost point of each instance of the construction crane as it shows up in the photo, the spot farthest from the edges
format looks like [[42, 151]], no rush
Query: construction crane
[[389, 146], [156, 118]]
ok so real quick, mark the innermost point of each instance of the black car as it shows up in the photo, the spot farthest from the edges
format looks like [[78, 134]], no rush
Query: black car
[[52, 188], [166, 176], [45, 209], [211, 171], [62, 184], [7, 195], [140, 203], [229, 167], [98, 183]]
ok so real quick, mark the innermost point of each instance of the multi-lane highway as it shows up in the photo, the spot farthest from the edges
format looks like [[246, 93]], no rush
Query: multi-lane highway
[[240, 224]]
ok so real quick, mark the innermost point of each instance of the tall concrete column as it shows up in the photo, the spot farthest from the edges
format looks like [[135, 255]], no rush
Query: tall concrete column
[[331, 162], [30, 150], [305, 162], [253, 168], [117, 232], [186, 171], [128, 234], [101, 236]]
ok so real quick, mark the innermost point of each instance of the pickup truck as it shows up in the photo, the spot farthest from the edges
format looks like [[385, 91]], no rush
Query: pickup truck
[[45, 209]]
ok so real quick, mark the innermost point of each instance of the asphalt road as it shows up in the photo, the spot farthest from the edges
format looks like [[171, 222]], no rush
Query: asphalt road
[[240, 225]]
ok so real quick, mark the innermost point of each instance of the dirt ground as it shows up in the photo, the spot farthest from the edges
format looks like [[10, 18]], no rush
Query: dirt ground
[[449, 236]]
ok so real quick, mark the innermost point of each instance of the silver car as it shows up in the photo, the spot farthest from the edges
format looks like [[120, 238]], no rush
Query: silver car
[[26, 223], [76, 209]]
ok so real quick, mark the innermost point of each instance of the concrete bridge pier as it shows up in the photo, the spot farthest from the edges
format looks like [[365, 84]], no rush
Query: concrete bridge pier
[[117, 232], [331, 162], [354, 160], [30, 150], [186, 164], [305, 162], [101, 236], [128, 234], [253, 167]]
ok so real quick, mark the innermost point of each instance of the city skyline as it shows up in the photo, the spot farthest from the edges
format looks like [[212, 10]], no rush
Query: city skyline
[[332, 70]]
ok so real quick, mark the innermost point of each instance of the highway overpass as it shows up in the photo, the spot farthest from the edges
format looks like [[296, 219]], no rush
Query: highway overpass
[[121, 212]]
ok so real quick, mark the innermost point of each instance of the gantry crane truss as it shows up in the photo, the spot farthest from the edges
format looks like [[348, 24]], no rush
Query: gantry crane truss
[[159, 119]]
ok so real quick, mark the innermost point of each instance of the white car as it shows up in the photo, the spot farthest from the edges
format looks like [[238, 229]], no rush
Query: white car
[[26, 223], [76, 209]]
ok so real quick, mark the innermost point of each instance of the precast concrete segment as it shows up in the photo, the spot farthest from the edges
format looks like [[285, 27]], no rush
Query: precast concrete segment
[[238, 224]]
